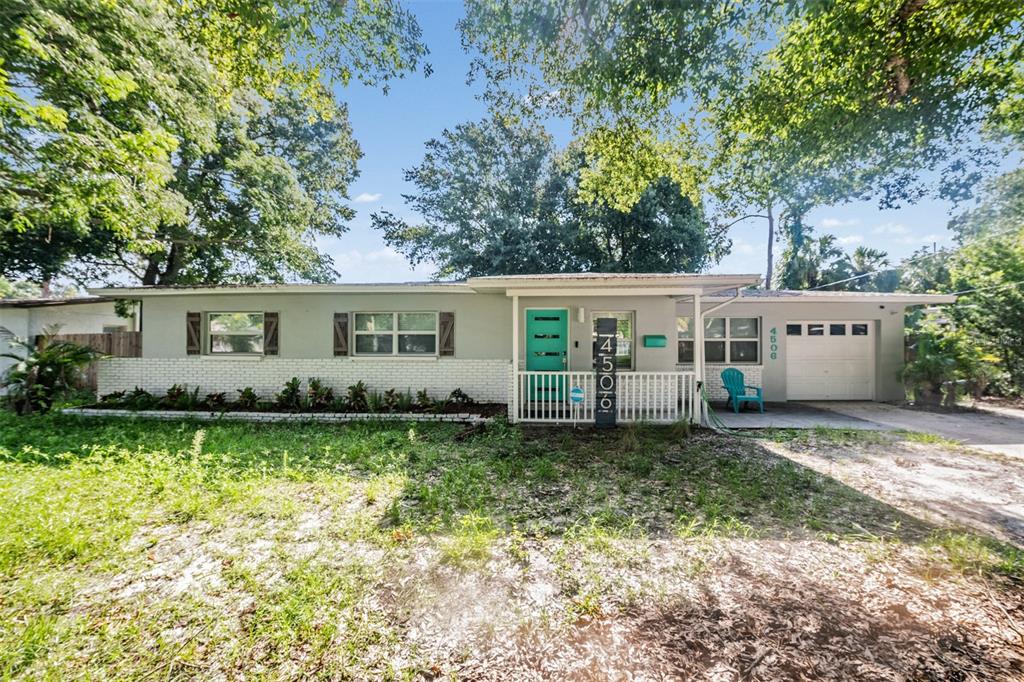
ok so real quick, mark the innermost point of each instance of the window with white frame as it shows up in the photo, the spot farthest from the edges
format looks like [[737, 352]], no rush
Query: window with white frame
[[623, 340], [395, 333], [235, 332], [730, 340]]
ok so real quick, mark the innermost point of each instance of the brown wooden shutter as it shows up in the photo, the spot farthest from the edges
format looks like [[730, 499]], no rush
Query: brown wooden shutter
[[341, 333], [270, 333], [446, 334], [193, 333]]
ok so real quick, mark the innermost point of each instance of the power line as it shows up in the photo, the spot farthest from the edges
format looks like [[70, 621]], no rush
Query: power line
[[1005, 285], [913, 260]]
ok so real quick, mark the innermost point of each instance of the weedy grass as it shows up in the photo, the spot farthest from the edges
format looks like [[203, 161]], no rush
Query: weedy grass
[[134, 548]]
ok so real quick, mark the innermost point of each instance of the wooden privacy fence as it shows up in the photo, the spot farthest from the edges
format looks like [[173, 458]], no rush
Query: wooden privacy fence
[[116, 344]]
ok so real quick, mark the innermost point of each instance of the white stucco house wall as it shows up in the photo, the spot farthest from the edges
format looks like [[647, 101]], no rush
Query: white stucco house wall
[[27, 318], [502, 339]]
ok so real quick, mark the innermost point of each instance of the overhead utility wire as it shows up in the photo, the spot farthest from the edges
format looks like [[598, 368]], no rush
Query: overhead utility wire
[[913, 260]]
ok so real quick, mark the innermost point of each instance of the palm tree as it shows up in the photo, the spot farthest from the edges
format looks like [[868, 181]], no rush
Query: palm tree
[[815, 262], [44, 370]]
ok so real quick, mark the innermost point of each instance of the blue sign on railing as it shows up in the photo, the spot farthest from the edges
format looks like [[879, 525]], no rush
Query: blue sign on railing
[[577, 395], [604, 405]]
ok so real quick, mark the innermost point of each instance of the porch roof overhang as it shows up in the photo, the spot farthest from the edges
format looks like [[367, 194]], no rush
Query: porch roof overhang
[[611, 284]]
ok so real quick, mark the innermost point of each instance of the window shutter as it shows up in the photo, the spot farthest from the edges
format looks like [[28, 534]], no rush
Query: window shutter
[[341, 333], [446, 334], [270, 333], [193, 333]]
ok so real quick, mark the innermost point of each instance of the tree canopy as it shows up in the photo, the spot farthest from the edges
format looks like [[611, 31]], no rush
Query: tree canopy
[[497, 198], [794, 104], [256, 202], [106, 108]]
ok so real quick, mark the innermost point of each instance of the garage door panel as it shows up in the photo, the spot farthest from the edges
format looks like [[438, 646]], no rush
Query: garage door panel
[[837, 366]]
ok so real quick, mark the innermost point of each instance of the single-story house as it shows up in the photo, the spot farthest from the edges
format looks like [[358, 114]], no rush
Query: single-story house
[[524, 340], [27, 318]]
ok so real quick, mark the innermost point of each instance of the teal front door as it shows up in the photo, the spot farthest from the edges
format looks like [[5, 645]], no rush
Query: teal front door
[[547, 350]]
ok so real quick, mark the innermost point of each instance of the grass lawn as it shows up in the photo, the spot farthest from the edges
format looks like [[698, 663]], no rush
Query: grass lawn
[[142, 550]]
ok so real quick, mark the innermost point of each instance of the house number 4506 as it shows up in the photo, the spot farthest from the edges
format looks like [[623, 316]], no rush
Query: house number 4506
[[773, 339]]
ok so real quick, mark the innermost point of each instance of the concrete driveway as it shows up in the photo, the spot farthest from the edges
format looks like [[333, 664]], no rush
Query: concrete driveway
[[998, 430]]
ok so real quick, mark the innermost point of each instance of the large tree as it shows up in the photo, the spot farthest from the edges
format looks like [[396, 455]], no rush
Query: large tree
[[496, 198], [105, 107], [820, 101], [94, 100], [275, 181]]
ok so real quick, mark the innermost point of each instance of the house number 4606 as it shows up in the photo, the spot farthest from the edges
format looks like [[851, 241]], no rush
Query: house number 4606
[[773, 339]]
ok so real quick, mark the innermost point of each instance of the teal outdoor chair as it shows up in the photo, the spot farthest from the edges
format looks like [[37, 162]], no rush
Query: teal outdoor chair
[[733, 381]]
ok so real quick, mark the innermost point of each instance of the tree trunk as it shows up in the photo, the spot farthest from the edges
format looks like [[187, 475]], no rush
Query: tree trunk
[[170, 273], [771, 247], [152, 270]]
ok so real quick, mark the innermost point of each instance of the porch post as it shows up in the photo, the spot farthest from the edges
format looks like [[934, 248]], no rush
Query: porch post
[[698, 354], [515, 358]]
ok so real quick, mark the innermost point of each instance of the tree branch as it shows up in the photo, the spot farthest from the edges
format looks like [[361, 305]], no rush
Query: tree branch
[[746, 217]]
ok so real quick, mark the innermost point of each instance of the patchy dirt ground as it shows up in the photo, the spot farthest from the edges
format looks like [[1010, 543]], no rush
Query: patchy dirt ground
[[936, 481], [392, 552]]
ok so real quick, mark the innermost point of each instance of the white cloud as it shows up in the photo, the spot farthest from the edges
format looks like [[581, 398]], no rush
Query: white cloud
[[832, 223], [366, 198], [891, 228], [923, 240], [742, 246], [377, 265], [852, 239]]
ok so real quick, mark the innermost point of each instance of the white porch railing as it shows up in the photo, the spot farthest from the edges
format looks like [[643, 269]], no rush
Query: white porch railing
[[662, 397]]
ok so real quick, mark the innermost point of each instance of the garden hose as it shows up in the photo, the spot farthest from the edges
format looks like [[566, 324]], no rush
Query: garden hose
[[714, 422]]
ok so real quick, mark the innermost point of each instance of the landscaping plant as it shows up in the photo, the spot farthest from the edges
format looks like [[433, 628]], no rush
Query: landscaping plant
[[423, 400], [291, 397], [248, 399], [140, 399], [178, 397], [44, 372], [375, 402], [356, 397], [459, 398], [318, 396]]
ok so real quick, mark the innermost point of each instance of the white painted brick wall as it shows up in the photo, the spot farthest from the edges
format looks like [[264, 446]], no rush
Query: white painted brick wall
[[482, 380], [713, 378]]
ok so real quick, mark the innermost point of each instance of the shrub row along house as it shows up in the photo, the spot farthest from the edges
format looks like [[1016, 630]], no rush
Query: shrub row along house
[[525, 340]]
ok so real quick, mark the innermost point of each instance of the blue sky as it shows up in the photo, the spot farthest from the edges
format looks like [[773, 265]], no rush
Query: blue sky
[[392, 129]]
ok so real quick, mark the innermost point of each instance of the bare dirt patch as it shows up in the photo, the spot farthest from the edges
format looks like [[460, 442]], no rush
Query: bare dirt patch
[[938, 482]]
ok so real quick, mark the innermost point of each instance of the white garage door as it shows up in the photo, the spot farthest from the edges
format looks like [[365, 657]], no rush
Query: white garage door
[[830, 360]]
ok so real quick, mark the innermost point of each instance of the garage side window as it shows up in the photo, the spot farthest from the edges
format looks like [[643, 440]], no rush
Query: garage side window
[[728, 340]]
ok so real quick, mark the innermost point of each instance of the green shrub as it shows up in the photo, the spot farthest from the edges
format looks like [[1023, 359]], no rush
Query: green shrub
[[115, 398], [290, 398], [375, 402], [216, 401], [44, 372], [178, 397], [423, 400], [318, 396], [356, 397], [140, 399], [459, 398], [248, 399], [404, 401]]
